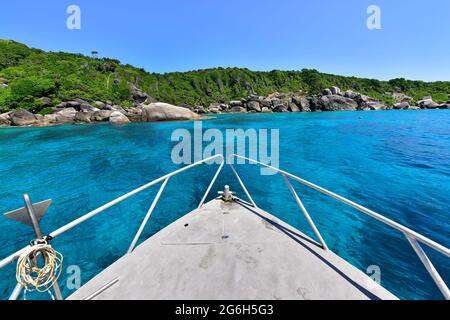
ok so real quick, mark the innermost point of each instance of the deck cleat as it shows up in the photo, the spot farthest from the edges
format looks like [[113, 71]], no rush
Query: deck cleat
[[227, 194]]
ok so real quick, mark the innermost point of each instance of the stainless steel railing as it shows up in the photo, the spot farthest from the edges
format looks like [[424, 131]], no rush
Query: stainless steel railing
[[413, 237], [165, 179]]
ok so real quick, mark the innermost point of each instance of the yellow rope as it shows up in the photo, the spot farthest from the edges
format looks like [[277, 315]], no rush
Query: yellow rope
[[39, 267]]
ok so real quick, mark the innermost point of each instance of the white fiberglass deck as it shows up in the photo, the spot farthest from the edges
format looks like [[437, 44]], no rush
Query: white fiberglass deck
[[230, 251]]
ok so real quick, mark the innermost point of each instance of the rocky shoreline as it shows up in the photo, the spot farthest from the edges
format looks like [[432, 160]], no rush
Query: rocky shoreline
[[79, 111], [145, 109], [332, 99]]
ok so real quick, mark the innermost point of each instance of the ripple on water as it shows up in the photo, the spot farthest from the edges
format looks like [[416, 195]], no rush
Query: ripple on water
[[396, 163]]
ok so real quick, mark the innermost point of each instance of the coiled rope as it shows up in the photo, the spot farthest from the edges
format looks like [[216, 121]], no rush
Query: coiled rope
[[39, 267]]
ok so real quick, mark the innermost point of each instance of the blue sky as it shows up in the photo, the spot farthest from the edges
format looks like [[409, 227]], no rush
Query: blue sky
[[180, 35]]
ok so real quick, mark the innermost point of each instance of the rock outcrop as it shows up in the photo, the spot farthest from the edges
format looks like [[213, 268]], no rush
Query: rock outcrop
[[22, 118], [375, 105], [45, 102], [335, 102], [160, 111], [254, 106], [89, 108], [5, 120], [238, 110], [101, 115], [302, 103], [140, 97], [134, 114], [332, 99], [215, 109], [118, 118], [427, 103], [402, 106], [400, 97], [84, 116]]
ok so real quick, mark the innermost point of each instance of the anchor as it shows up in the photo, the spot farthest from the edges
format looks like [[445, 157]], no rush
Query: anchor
[[31, 215]]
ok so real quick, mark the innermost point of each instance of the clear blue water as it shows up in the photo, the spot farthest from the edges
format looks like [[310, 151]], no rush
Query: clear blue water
[[396, 163]]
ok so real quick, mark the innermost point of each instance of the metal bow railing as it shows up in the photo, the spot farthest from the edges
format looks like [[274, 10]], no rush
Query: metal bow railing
[[165, 179], [413, 237]]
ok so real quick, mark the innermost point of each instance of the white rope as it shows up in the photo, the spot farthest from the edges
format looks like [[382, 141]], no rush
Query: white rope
[[39, 267]]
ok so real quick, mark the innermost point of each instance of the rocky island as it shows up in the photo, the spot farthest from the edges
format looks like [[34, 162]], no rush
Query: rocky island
[[39, 88], [82, 112], [332, 99], [144, 110]]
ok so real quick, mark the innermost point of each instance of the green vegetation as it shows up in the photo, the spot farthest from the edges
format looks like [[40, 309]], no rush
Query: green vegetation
[[31, 74]]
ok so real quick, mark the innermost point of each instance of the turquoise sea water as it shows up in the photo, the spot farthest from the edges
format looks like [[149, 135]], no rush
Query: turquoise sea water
[[396, 163]]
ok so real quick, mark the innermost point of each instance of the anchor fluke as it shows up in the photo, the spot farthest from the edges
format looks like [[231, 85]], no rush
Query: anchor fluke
[[21, 215]]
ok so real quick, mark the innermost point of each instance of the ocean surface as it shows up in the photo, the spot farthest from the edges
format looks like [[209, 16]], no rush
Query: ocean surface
[[396, 163]]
